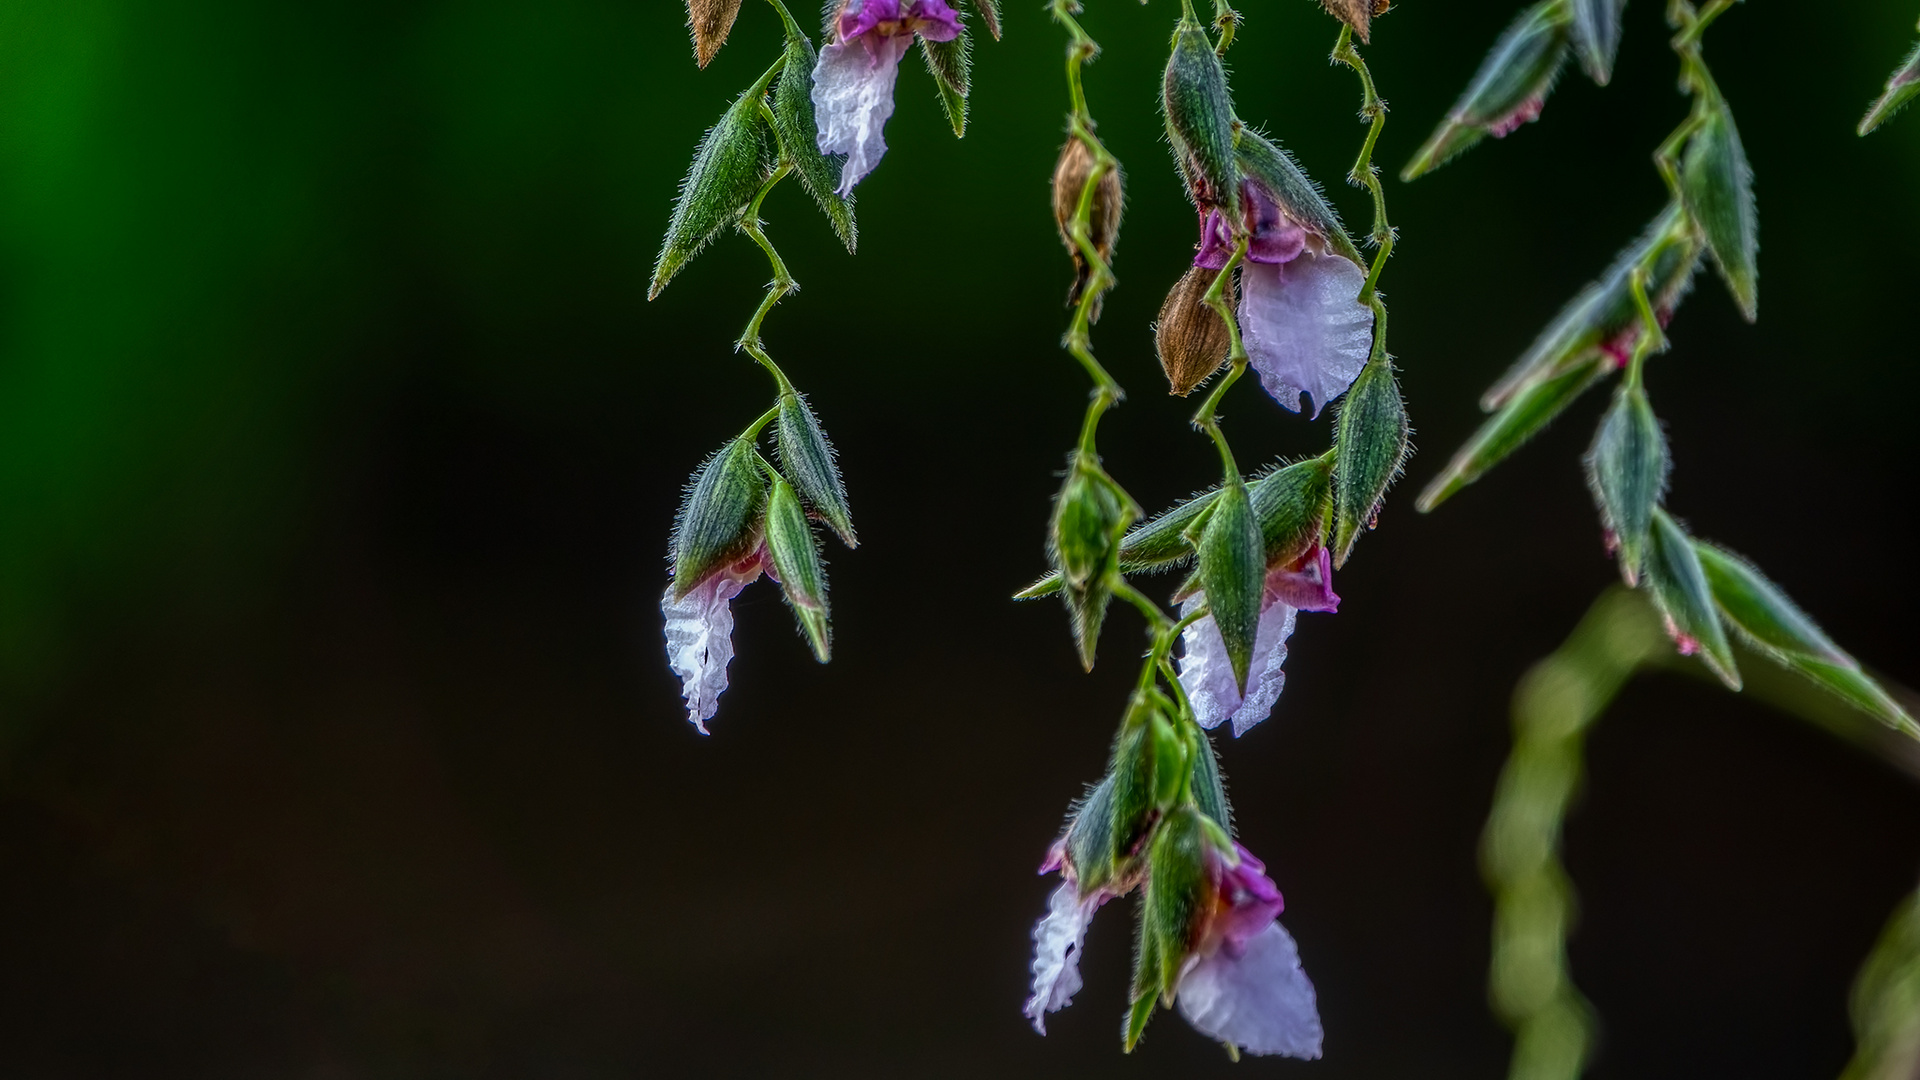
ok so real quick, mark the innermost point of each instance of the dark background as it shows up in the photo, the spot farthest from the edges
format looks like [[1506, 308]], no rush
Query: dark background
[[338, 451]]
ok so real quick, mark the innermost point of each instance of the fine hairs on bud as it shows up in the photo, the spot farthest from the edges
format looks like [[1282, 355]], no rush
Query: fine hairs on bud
[[1190, 337], [1103, 217], [712, 21], [1358, 14]]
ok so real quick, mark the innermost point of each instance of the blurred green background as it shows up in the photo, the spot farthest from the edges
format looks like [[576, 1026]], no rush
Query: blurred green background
[[339, 447]]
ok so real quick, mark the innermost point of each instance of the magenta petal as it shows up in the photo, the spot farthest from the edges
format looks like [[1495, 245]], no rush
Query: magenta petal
[[934, 20], [1260, 1001], [853, 97], [1305, 330], [1252, 902], [1307, 584], [700, 637], [861, 16]]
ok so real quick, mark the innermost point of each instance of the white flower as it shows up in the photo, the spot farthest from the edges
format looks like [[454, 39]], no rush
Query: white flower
[[853, 80], [1057, 941], [1304, 327], [1260, 1000], [700, 636], [1207, 674]]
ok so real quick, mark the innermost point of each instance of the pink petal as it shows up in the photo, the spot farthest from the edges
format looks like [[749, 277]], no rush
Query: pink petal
[[1306, 584], [853, 97], [1305, 330], [700, 637], [1260, 1001]]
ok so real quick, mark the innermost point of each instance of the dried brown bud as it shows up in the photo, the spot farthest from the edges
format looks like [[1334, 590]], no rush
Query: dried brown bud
[[1103, 217], [1358, 14], [1190, 336], [712, 21]]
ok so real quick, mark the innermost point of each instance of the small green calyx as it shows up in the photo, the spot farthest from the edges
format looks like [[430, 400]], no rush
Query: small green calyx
[[721, 519]]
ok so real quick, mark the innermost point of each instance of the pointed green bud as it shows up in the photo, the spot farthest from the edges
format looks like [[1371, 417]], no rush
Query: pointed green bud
[[1604, 319], [1627, 472], [1209, 788], [1233, 570], [1172, 769], [1508, 90], [1090, 846], [1717, 183], [1902, 86], [1523, 416], [1291, 504], [720, 519], [1680, 590], [1089, 516], [1146, 993], [727, 172], [1371, 447], [796, 561], [1176, 890], [1762, 612], [807, 458], [951, 63], [793, 122], [1134, 807], [1200, 121], [1595, 32]]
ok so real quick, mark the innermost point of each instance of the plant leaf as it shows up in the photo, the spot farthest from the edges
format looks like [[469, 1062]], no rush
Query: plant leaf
[[1680, 590], [1521, 418], [727, 172], [1627, 472], [951, 63], [1717, 183], [1508, 90], [1595, 32], [1902, 86], [793, 122]]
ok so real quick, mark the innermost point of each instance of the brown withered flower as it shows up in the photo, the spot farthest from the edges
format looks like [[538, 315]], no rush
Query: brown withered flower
[[1358, 14], [1103, 219], [712, 21], [1190, 337]]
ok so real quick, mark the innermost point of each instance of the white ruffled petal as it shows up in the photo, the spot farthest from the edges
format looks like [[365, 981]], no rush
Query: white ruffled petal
[[1261, 1001], [1304, 327], [853, 97], [1057, 940], [700, 640], [1206, 673]]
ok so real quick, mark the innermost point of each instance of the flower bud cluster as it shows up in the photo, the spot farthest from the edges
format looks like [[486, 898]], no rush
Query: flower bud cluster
[[1275, 284], [817, 116]]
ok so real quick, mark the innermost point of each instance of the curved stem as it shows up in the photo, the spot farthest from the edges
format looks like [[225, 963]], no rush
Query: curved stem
[[1206, 417]]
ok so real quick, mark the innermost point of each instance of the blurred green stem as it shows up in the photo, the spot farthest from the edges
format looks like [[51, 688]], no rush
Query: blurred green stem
[[1554, 706]]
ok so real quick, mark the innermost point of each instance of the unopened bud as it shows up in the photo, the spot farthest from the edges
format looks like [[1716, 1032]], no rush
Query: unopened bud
[[1200, 122], [1358, 14], [1088, 519], [712, 21], [1191, 337], [1070, 176]]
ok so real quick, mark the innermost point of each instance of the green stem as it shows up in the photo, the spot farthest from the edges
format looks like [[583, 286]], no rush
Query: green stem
[[1207, 418], [1373, 111], [782, 283], [754, 429], [1652, 337]]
